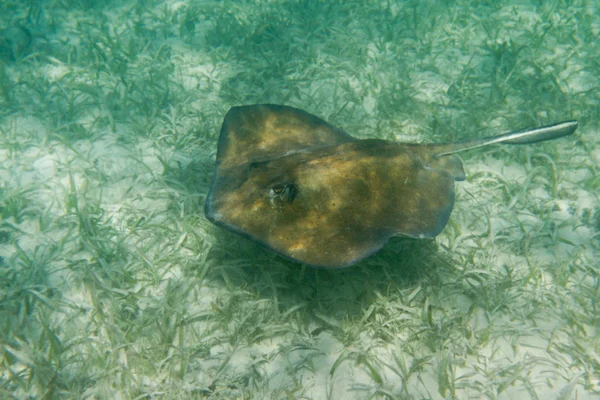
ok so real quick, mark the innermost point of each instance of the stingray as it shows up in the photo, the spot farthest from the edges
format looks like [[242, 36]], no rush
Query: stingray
[[314, 194]]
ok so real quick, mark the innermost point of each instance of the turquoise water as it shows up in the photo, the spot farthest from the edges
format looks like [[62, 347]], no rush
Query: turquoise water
[[114, 285]]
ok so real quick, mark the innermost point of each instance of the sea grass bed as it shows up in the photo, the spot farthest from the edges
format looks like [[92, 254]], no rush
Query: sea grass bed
[[114, 285]]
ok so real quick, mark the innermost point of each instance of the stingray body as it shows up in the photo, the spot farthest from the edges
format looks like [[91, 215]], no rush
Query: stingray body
[[311, 192]]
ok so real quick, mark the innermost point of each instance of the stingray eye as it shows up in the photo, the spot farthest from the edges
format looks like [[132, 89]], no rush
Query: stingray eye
[[277, 189], [282, 193]]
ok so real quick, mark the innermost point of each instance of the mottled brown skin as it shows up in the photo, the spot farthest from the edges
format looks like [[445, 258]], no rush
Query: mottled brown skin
[[312, 193], [316, 195]]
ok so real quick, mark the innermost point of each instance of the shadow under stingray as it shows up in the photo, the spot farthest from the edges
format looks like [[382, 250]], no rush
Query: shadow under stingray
[[403, 264]]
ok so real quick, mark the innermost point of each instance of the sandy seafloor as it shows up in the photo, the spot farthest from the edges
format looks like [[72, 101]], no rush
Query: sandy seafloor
[[113, 284]]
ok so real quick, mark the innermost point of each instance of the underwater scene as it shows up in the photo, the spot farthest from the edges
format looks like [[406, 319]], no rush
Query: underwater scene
[[268, 199]]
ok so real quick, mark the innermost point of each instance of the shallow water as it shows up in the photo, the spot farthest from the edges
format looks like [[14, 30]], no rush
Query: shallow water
[[114, 285]]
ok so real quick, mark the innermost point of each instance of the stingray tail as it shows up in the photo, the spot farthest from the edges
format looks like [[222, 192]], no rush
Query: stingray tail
[[527, 136]]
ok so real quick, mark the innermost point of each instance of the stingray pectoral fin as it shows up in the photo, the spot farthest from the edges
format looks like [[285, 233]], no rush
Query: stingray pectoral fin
[[348, 200], [350, 204], [267, 131], [427, 204]]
